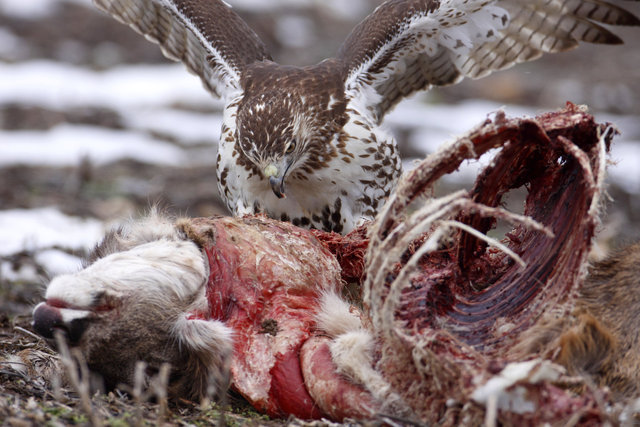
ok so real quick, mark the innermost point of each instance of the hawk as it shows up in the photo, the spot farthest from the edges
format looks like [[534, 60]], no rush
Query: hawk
[[305, 144]]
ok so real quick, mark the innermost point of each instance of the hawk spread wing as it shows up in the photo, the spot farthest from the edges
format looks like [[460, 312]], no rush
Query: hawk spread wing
[[207, 36], [410, 45], [303, 144]]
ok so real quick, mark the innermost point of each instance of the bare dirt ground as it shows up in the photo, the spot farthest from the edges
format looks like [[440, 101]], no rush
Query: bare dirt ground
[[607, 79]]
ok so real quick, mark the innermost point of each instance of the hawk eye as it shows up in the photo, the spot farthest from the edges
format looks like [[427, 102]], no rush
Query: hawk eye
[[291, 147]]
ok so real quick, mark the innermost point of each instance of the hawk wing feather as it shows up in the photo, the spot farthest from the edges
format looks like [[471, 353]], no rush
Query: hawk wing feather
[[206, 35], [409, 45]]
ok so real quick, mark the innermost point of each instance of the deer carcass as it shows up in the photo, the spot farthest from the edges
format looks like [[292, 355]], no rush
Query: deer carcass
[[452, 326]]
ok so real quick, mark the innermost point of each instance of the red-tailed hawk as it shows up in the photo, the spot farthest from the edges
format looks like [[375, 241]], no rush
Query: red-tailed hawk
[[304, 144]]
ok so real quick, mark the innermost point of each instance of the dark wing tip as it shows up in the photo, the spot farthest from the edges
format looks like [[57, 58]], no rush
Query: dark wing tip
[[600, 35], [611, 38], [624, 18], [629, 20]]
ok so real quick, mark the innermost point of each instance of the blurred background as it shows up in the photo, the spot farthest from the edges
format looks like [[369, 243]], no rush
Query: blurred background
[[96, 125]]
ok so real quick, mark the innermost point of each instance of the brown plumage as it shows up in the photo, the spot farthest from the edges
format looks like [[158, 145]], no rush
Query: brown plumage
[[304, 143]]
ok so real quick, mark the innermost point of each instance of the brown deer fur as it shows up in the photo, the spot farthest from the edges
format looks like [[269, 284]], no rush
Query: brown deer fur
[[600, 340]]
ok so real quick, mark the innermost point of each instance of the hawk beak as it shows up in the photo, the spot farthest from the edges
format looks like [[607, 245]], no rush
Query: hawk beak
[[276, 181], [277, 185]]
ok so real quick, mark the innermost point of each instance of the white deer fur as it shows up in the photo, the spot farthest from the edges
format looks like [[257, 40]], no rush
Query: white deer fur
[[162, 269], [352, 349], [148, 268]]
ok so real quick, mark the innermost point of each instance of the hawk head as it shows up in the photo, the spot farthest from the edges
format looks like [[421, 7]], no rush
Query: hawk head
[[284, 129], [273, 133]]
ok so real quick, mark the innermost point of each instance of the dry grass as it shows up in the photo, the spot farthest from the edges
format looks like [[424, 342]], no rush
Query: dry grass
[[40, 392], [34, 390], [37, 390]]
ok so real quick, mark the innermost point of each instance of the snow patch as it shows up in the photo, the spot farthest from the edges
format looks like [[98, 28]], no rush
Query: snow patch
[[185, 126], [60, 86], [66, 145], [44, 228], [294, 31], [31, 9], [56, 262], [21, 273], [34, 9]]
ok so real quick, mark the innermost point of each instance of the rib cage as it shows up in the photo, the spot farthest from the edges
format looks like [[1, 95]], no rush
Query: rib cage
[[450, 304]]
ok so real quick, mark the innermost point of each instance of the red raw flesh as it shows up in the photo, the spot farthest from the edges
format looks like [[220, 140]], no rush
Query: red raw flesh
[[339, 397], [349, 250], [288, 388], [57, 303], [265, 282]]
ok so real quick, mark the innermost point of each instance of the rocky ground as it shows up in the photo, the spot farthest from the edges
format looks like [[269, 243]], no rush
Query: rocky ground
[[61, 63]]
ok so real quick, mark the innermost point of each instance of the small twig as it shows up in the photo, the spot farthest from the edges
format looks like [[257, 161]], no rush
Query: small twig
[[81, 385], [28, 332], [160, 385], [138, 385], [56, 385], [14, 373], [215, 394], [222, 418]]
